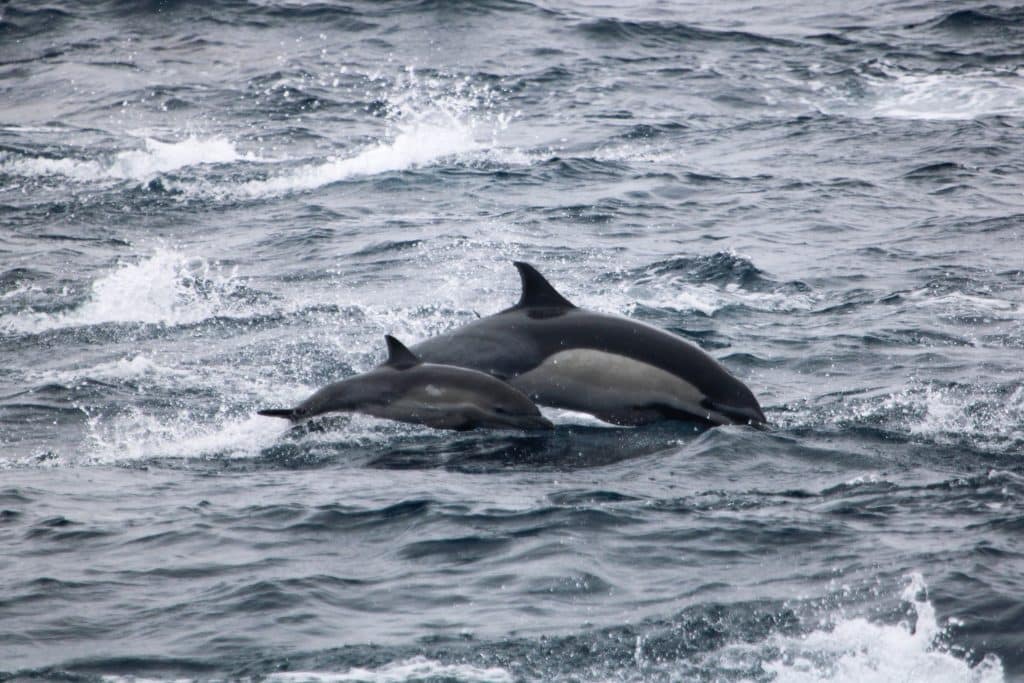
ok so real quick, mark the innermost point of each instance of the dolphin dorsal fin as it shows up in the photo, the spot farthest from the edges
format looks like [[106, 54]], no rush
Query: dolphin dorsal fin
[[399, 357], [537, 291]]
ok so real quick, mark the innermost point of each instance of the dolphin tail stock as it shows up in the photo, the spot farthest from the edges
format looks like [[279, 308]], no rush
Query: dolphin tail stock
[[286, 413]]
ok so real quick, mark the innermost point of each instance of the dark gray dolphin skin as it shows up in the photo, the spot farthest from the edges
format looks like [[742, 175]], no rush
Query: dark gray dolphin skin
[[406, 389], [619, 370]]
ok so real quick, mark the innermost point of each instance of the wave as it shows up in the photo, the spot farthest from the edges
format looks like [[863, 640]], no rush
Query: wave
[[668, 33], [877, 89], [137, 436], [857, 650], [428, 120], [947, 96], [708, 284], [408, 671], [168, 288], [999, 21], [986, 418], [138, 165], [749, 643], [19, 23], [415, 145]]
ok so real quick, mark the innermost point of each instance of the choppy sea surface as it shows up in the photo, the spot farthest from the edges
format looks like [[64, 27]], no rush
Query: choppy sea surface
[[210, 208]]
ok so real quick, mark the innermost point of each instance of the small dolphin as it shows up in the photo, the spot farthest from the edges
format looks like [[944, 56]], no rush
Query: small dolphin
[[619, 370], [406, 389]]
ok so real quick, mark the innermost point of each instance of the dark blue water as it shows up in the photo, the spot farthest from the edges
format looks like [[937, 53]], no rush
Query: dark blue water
[[211, 208]]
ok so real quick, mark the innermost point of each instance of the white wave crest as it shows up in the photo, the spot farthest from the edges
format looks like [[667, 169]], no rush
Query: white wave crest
[[676, 293], [956, 306], [428, 120], [857, 651], [135, 164], [416, 145], [127, 368], [983, 415], [948, 96], [136, 435], [955, 413], [160, 157], [681, 296], [850, 650], [408, 671], [166, 288]]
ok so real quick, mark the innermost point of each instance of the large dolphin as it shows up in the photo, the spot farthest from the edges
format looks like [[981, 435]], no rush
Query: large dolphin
[[406, 389], [619, 370]]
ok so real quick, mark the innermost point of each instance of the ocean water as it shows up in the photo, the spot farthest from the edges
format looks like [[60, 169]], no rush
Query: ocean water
[[210, 208]]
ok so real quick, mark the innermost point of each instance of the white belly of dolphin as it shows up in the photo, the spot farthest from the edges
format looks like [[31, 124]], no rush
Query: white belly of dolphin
[[613, 387]]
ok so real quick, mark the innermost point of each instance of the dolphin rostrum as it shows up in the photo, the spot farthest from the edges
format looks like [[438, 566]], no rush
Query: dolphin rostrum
[[406, 389], [620, 370]]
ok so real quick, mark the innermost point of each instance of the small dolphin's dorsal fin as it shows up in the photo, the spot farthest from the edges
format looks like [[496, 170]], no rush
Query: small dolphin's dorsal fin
[[537, 291], [399, 357]]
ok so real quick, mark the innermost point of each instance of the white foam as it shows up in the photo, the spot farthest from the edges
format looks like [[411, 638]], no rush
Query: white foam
[[954, 413], [959, 306], [166, 288], [154, 158], [229, 427], [676, 294], [848, 650], [415, 145], [22, 289], [642, 152], [561, 416], [136, 435], [864, 479], [32, 129], [859, 651], [948, 96], [160, 157], [984, 416], [75, 169], [144, 679], [415, 669], [128, 368], [428, 120]]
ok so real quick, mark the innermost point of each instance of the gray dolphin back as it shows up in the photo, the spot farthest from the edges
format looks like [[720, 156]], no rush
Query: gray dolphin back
[[406, 389], [620, 370]]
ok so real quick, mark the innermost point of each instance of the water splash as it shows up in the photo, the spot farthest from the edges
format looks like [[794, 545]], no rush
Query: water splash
[[167, 288], [427, 120], [136, 435], [858, 650], [986, 417]]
